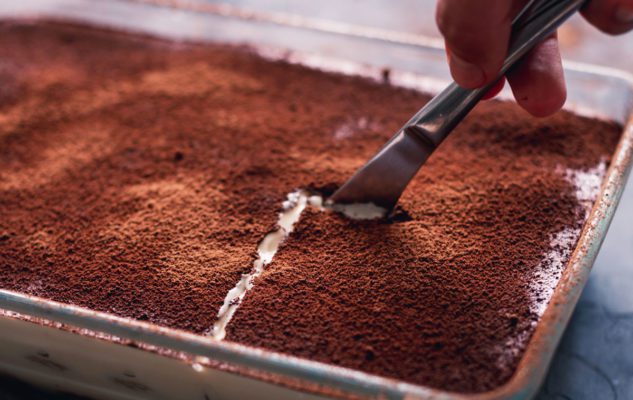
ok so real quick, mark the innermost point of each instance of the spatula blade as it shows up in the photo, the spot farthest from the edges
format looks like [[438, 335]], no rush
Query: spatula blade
[[383, 179]]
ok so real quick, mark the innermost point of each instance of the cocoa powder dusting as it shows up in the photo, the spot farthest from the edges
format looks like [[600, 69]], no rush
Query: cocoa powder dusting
[[137, 177]]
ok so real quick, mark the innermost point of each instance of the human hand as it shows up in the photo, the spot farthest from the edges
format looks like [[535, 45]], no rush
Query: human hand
[[477, 33]]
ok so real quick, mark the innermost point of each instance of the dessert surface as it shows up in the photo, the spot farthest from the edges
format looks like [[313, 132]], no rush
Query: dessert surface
[[138, 176]]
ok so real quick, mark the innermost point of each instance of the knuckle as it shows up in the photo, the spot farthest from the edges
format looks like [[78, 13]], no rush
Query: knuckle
[[440, 21], [606, 16], [449, 26]]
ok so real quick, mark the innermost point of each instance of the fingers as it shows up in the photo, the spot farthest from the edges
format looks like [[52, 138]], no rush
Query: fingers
[[610, 16], [538, 81], [476, 34], [496, 89]]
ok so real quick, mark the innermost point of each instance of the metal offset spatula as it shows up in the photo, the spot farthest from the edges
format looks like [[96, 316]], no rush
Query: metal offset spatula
[[383, 179]]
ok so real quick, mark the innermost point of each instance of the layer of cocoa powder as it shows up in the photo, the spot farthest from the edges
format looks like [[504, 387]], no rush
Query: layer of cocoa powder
[[138, 175]]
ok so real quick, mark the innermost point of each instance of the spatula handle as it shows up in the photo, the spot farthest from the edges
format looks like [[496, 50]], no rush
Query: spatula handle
[[534, 23]]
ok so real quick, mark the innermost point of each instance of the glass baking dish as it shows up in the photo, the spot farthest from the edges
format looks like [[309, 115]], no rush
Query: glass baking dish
[[96, 354]]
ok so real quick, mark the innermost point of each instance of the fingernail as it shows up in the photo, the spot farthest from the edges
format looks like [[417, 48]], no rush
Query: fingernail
[[467, 74], [496, 89], [624, 15]]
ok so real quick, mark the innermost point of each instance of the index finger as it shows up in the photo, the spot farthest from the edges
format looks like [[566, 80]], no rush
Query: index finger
[[477, 33]]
